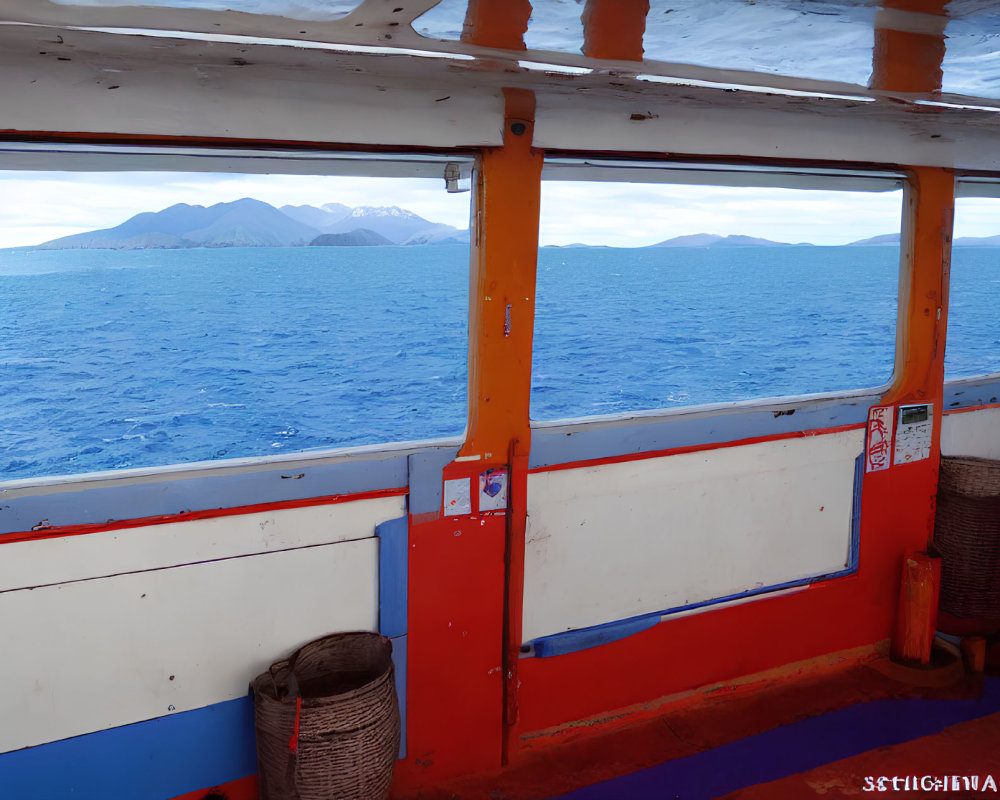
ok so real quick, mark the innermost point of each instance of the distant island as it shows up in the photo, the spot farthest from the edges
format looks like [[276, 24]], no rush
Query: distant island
[[892, 239], [253, 223], [714, 240]]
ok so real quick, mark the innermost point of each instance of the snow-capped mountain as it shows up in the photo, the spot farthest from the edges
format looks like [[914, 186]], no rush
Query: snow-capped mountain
[[253, 223]]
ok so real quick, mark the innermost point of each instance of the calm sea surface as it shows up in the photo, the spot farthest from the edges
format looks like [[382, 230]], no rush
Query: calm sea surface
[[144, 358]]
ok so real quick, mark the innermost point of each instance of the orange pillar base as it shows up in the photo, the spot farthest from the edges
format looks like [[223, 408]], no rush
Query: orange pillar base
[[916, 616]]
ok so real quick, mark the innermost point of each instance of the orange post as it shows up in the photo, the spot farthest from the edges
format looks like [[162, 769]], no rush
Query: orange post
[[916, 617], [502, 287], [497, 23], [613, 29], [910, 60], [928, 214]]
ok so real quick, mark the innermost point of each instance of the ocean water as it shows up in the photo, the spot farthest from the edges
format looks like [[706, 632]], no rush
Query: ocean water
[[129, 359]]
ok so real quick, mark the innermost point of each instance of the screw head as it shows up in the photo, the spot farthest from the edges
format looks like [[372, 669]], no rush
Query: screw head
[[518, 128]]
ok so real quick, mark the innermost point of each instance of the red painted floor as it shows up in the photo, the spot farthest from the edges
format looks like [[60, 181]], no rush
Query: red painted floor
[[730, 719]]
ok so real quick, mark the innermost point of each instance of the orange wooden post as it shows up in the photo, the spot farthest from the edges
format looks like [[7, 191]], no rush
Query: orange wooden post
[[916, 617], [497, 23], [909, 60], [502, 293], [613, 29], [928, 215]]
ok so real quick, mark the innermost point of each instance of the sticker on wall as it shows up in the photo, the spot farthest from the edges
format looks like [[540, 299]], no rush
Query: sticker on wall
[[879, 438], [913, 433], [457, 496], [493, 490]]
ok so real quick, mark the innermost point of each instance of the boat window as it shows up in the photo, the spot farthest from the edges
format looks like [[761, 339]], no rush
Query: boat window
[[154, 317], [973, 344], [652, 296]]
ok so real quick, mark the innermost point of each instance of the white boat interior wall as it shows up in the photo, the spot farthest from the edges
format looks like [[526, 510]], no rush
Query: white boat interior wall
[[973, 427], [123, 648], [665, 533]]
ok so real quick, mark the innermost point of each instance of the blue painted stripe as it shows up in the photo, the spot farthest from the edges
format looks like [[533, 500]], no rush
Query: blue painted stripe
[[558, 644], [24, 509], [585, 638], [393, 559], [859, 479], [426, 478], [399, 660], [567, 443], [153, 760], [795, 748], [972, 392]]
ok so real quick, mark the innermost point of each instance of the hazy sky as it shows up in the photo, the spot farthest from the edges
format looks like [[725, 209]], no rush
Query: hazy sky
[[36, 207]]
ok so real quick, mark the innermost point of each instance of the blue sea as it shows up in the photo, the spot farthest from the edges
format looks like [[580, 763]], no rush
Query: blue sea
[[116, 359]]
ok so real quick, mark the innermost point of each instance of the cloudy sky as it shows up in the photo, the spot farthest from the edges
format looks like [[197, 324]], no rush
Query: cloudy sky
[[37, 207]]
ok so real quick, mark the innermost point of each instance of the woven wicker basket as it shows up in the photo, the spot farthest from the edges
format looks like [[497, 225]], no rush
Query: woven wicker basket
[[327, 721], [967, 536]]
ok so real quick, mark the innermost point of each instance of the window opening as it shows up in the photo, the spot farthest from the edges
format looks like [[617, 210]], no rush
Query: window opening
[[652, 296], [973, 344], [152, 318]]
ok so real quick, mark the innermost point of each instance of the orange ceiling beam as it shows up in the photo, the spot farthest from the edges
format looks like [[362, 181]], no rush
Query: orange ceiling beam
[[497, 23], [613, 29], [907, 61]]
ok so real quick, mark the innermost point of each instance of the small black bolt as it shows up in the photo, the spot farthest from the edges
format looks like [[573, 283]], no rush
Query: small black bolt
[[518, 128]]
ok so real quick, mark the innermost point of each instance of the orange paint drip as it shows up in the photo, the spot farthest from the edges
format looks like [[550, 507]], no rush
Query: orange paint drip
[[613, 29]]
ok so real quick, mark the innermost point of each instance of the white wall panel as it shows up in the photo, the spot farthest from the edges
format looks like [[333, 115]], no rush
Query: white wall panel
[[613, 541], [86, 656], [70, 558], [972, 433]]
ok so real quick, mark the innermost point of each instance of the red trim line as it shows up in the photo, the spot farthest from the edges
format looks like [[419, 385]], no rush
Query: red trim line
[[188, 142], [56, 532], [971, 408], [694, 448]]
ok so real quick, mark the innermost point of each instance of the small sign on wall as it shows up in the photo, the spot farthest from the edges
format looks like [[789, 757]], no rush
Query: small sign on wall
[[880, 429], [493, 490], [457, 497], [913, 433]]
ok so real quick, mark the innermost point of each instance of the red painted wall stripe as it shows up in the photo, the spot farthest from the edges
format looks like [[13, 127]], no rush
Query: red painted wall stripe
[[695, 448], [970, 408], [211, 513]]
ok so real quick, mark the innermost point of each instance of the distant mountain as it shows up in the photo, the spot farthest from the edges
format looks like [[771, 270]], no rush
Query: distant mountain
[[691, 240], [242, 223], [445, 234], [362, 237], [320, 218], [961, 241], [977, 241], [394, 223], [714, 240], [575, 246], [886, 239], [252, 223]]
